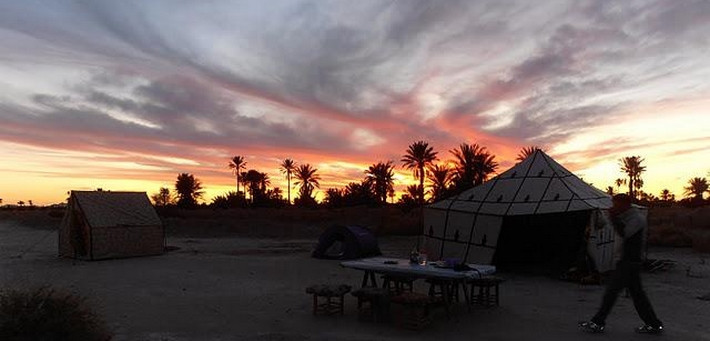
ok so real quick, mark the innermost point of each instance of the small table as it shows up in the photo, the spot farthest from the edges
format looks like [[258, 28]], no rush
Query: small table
[[402, 267]]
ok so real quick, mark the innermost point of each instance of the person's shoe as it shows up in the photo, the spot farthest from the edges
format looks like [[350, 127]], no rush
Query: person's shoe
[[647, 329], [591, 327]]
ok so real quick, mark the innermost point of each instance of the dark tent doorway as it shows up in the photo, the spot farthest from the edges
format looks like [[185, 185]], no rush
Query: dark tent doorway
[[547, 243], [346, 242]]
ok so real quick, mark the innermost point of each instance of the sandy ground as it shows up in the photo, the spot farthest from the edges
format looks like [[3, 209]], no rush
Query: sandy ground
[[252, 289]]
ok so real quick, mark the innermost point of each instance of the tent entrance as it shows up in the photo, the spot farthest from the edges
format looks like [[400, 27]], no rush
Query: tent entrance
[[546, 243]]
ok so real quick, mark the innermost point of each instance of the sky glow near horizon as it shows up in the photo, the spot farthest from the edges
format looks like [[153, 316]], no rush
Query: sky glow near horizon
[[126, 95]]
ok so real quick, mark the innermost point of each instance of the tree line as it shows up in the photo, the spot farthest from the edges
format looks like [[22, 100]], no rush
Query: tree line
[[633, 167], [469, 165]]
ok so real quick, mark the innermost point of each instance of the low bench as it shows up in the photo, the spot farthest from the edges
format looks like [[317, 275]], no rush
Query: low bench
[[334, 298], [411, 310], [373, 304], [484, 296]]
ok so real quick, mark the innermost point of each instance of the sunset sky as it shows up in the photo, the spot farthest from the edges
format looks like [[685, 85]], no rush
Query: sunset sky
[[124, 95]]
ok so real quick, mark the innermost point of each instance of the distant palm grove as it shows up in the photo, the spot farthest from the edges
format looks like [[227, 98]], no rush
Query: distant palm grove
[[470, 165]]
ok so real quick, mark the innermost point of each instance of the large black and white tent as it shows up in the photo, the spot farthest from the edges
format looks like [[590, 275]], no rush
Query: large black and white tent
[[533, 210]]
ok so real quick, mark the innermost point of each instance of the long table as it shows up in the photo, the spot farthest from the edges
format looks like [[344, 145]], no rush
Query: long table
[[403, 267]]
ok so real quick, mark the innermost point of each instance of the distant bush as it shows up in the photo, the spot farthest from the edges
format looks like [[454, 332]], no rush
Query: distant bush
[[669, 235], [45, 314], [701, 241], [229, 200]]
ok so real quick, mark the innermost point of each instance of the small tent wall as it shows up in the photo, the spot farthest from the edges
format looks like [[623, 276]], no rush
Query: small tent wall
[[102, 225], [74, 234]]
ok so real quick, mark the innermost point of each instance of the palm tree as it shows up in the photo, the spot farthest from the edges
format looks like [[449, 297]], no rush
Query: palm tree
[[412, 190], [440, 178], [631, 165], [610, 190], [307, 179], [418, 157], [333, 197], [473, 165], [287, 167], [358, 193], [243, 181], [381, 176], [163, 197], [391, 193], [275, 194], [257, 183], [189, 189], [527, 151], [696, 188], [619, 182], [237, 164], [666, 194]]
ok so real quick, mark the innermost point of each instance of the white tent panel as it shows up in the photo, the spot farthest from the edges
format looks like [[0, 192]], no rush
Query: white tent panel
[[504, 190], [600, 244], [557, 191], [434, 222], [485, 239], [442, 204], [454, 250], [487, 230], [552, 207], [494, 208], [532, 190], [459, 227], [540, 168], [522, 208], [578, 205], [465, 206]]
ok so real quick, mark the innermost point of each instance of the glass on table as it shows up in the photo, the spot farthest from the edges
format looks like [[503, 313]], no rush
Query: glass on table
[[422, 258]]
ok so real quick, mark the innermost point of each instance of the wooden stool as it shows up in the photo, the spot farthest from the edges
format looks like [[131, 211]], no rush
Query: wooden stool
[[373, 304], [485, 297], [334, 300], [438, 287], [398, 284], [412, 310]]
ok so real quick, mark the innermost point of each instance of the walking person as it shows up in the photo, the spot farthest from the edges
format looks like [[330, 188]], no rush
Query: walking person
[[630, 226]]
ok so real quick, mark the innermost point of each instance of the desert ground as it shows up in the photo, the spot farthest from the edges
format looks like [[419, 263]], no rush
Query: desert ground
[[252, 288]]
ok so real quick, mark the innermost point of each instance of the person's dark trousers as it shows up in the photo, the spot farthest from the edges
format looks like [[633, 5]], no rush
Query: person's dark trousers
[[627, 275]]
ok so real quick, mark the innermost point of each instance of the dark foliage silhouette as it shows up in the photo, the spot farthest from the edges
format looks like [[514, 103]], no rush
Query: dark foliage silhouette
[[631, 165], [188, 189], [237, 164], [473, 166], [287, 167], [381, 178], [418, 157]]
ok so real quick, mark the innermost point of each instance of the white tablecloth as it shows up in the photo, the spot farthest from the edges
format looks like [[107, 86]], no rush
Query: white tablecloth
[[405, 268]]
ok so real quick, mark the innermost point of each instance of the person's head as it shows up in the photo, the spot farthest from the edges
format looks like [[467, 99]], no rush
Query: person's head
[[621, 202]]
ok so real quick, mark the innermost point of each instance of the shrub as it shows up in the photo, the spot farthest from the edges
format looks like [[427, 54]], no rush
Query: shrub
[[45, 314]]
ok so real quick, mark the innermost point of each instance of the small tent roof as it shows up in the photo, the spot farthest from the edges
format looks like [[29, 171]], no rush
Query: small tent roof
[[106, 209], [536, 185]]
